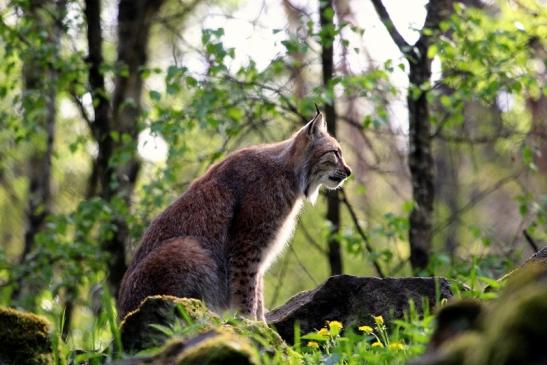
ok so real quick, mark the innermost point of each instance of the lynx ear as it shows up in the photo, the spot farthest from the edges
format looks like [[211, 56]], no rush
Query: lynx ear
[[316, 126]]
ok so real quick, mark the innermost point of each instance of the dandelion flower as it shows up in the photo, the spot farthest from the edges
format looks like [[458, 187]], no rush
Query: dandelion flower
[[377, 344], [378, 320], [313, 344], [396, 346], [367, 329], [323, 332], [335, 325]]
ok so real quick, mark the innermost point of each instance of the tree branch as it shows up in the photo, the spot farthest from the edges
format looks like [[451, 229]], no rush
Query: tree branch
[[302, 266], [478, 197], [83, 111], [530, 240], [311, 240], [364, 237], [100, 126], [403, 45]]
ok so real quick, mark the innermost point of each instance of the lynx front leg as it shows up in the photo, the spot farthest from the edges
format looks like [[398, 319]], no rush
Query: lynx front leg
[[243, 286], [260, 297]]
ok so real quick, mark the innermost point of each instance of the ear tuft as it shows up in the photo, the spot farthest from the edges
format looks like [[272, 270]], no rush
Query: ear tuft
[[316, 126]]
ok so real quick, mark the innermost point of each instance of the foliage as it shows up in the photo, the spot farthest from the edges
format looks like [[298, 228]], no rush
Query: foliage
[[485, 56]]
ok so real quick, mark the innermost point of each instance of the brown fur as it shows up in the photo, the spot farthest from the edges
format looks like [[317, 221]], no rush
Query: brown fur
[[216, 241]]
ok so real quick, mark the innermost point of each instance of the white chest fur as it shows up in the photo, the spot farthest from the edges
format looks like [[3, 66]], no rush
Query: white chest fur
[[275, 248]]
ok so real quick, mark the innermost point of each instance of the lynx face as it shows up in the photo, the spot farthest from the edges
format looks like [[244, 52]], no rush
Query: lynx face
[[325, 163], [330, 169]]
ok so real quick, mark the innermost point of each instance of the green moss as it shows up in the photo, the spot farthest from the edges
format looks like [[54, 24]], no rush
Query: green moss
[[193, 307], [24, 338], [531, 272], [515, 330], [510, 330], [223, 347], [264, 337], [139, 328]]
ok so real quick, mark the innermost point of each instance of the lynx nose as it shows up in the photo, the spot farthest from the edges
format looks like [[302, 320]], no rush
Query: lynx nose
[[348, 170]]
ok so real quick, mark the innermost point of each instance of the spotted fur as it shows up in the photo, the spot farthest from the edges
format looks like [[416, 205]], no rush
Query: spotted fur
[[217, 240]]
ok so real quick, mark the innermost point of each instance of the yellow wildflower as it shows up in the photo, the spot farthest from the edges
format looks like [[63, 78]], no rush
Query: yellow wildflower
[[378, 320], [335, 325], [313, 344], [396, 346], [323, 332], [377, 344], [367, 329]]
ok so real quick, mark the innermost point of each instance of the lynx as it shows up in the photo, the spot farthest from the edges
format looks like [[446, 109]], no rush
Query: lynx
[[217, 240]]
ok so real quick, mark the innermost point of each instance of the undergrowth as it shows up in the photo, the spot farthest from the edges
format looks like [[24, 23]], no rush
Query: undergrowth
[[383, 342]]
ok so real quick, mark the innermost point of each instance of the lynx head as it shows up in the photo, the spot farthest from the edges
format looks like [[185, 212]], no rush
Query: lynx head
[[322, 161]]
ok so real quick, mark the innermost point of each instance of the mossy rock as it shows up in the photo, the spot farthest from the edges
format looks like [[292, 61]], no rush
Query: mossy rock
[[24, 338], [533, 263], [455, 318], [453, 352], [516, 330], [171, 326], [510, 330], [261, 335], [218, 348], [139, 329]]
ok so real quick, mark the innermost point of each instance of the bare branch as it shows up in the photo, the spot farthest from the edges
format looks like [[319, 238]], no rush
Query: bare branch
[[311, 240], [530, 240], [362, 233], [82, 109], [302, 266], [404, 47], [477, 198]]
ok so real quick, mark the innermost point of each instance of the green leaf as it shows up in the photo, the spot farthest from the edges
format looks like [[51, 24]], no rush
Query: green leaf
[[432, 51], [315, 337], [154, 95]]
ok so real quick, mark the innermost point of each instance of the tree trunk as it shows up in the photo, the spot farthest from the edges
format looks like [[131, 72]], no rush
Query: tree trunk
[[134, 22], [326, 17], [420, 160], [39, 82], [420, 163], [115, 127], [538, 112]]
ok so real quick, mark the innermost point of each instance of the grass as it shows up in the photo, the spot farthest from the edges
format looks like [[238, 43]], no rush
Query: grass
[[385, 342]]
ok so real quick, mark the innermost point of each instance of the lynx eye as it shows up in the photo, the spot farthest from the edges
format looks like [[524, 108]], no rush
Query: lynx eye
[[330, 152], [337, 153]]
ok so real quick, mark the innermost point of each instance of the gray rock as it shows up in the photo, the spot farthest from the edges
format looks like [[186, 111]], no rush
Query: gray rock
[[540, 256], [353, 301]]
